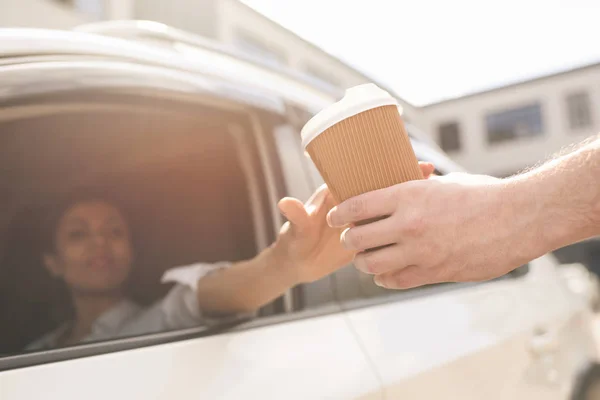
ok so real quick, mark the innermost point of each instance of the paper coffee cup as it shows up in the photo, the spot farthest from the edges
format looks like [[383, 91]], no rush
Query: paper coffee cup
[[359, 144]]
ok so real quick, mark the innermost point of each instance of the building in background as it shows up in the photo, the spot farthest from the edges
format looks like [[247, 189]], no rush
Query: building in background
[[505, 130]]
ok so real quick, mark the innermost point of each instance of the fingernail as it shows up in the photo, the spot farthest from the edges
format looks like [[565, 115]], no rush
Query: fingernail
[[329, 217], [343, 239], [379, 282]]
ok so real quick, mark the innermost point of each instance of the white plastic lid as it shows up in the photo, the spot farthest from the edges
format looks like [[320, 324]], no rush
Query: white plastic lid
[[356, 100]]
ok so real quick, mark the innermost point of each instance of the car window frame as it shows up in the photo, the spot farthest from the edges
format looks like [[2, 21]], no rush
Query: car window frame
[[264, 239]]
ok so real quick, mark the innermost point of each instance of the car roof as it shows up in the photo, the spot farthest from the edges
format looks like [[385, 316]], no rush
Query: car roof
[[132, 47], [22, 45]]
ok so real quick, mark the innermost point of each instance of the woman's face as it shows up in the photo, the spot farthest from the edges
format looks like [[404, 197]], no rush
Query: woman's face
[[93, 252]]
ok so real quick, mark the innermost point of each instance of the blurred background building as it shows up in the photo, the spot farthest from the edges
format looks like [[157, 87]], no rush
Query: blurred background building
[[498, 132], [505, 130]]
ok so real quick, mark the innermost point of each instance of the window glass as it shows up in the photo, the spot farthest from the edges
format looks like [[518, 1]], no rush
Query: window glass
[[94, 8], [514, 124], [449, 137], [579, 111], [100, 208]]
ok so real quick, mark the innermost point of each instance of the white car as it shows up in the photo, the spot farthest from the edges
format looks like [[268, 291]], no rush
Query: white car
[[582, 282], [181, 126]]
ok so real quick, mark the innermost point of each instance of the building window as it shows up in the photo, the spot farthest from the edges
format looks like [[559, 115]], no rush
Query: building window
[[322, 75], [449, 136], [514, 124], [579, 110], [250, 44], [94, 8]]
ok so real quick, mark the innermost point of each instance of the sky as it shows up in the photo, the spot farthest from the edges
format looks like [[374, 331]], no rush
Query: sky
[[430, 50]]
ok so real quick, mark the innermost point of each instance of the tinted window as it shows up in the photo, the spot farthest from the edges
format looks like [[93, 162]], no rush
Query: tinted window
[[514, 124]]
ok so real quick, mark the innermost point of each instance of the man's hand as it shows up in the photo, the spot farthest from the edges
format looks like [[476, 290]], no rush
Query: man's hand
[[454, 228], [307, 247]]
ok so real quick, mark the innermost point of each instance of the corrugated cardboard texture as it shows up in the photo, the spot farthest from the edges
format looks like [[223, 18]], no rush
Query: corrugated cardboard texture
[[366, 152]]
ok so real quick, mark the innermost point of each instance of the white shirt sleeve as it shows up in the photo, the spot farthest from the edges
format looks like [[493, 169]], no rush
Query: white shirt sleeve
[[180, 306], [179, 309], [189, 275]]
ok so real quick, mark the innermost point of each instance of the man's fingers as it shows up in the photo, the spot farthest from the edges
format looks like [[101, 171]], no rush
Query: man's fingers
[[382, 261], [295, 212], [369, 236], [405, 278], [378, 203]]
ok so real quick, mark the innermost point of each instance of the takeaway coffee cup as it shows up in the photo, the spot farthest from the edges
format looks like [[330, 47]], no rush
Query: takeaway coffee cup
[[360, 144]]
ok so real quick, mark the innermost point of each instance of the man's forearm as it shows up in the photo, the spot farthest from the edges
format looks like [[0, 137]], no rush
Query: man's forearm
[[245, 286], [559, 202]]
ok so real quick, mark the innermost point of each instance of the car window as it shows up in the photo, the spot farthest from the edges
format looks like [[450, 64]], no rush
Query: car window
[[347, 286], [153, 183]]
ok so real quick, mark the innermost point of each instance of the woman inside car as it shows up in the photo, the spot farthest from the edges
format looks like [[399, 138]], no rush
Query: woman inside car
[[88, 246]]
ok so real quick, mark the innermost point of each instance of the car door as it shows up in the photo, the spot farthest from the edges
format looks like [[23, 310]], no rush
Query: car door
[[521, 336], [312, 358], [518, 337], [309, 354]]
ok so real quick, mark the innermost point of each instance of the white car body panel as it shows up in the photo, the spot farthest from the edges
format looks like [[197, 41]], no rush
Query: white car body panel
[[23, 42], [315, 358], [481, 342]]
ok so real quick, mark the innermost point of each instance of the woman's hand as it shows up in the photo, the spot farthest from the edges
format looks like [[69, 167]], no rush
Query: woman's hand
[[307, 248]]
